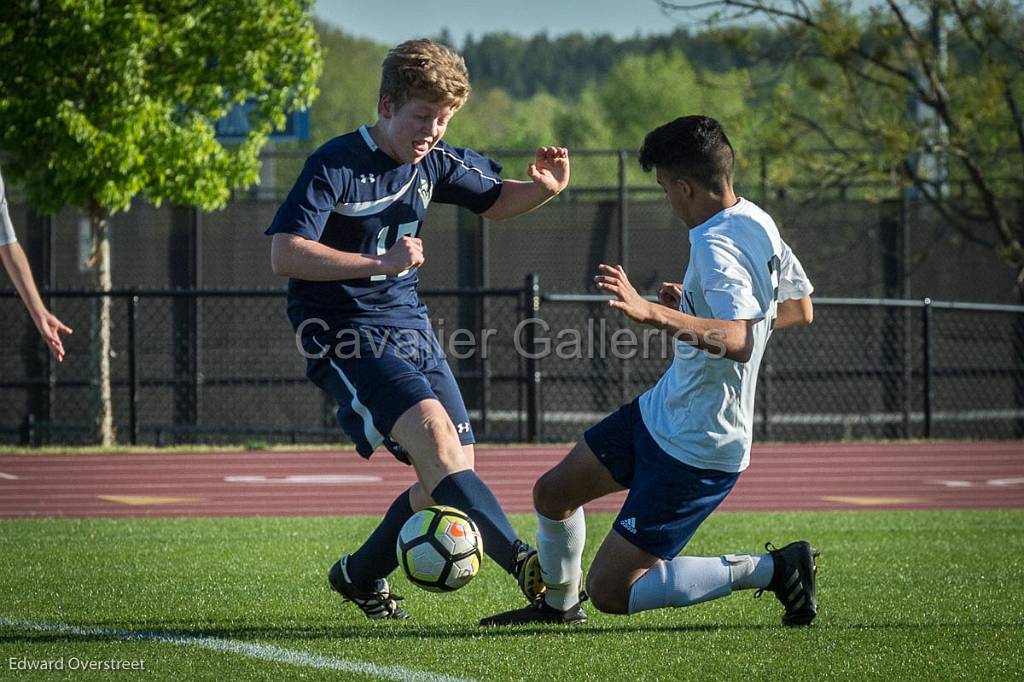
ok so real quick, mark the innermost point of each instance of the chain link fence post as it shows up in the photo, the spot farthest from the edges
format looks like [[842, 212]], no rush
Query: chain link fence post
[[133, 376], [625, 370], [766, 394], [926, 365], [484, 325], [534, 402]]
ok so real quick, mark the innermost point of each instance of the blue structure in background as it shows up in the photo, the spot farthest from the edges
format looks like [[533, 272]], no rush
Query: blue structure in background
[[235, 125]]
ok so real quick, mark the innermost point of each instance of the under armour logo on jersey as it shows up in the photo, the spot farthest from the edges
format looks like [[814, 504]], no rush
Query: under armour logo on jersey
[[367, 178], [425, 191], [463, 427], [629, 524]]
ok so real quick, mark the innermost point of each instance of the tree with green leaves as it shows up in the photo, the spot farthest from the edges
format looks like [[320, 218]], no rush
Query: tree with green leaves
[[642, 92], [929, 93], [102, 101]]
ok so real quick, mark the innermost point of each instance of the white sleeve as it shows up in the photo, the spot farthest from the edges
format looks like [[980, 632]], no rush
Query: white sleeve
[[6, 228], [793, 282], [727, 285]]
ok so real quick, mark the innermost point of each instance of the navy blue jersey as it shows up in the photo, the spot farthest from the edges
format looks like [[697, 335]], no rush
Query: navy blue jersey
[[353, 197]]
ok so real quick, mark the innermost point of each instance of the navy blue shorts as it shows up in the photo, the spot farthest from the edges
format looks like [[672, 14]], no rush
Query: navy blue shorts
[[375, 374], [667, 499]]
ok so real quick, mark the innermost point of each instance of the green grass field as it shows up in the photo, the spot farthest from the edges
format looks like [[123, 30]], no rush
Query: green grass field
[[902, 595]]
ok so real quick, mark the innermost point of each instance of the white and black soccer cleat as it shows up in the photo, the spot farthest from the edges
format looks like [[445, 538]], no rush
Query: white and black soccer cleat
[[793, 581], [378, 603]]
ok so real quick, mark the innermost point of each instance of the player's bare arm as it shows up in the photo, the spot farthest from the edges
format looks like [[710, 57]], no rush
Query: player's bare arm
[[796, 312], [50, 327], [734, 336], [295, 256], [549, 175]]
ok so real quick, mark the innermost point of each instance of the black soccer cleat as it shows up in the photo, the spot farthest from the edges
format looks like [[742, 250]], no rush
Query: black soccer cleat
[[793, 581], [539, 613], [527, 571], [379, 603]]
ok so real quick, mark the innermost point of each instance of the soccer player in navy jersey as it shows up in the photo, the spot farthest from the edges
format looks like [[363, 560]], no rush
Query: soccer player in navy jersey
[[680, 447], [348, 239]]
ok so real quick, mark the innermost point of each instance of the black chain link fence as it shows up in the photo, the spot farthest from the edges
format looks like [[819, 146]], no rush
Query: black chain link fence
[[223, 367]]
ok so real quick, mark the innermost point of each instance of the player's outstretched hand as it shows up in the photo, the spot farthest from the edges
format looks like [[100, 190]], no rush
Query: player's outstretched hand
[[50, 328], [614, 281], [407, 253], [669, 294], [551, 168]]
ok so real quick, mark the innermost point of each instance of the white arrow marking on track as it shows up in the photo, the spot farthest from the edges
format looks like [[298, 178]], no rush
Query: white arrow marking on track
[[9, 477], [954, 484]]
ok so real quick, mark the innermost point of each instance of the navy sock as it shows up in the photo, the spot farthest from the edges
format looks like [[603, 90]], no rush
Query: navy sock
[[464, 490], [377, 557]]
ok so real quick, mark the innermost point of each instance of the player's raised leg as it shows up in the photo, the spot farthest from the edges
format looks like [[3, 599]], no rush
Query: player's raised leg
[[444, 468]]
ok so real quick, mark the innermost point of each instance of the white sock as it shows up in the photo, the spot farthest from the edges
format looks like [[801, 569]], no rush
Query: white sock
[[560, 551], [684, 581], [750, 571], [688, 580]]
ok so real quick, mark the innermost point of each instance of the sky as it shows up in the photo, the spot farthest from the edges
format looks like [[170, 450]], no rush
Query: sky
[[392, 21]]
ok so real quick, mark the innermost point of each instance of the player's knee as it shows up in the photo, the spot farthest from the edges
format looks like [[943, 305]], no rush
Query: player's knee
[[607, 594], [546, 498], [444, 440]]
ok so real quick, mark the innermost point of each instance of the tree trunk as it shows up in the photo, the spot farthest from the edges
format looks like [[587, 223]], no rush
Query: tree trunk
[[104, 414]]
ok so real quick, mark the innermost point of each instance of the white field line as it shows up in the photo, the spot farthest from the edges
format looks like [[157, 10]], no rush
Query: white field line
[[264, 652], [9, 477]]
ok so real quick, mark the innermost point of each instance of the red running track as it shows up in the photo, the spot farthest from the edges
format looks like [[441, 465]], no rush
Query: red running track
[[781, 477]]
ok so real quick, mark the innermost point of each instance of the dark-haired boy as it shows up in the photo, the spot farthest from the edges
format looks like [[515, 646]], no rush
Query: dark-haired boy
[[680, 447]]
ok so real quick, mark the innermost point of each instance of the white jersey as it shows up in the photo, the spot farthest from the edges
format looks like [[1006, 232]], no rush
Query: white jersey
[[6, 228], [701, 411]]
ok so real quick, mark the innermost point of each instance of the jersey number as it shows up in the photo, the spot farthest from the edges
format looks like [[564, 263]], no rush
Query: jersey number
[[774, 265], [403, 230]]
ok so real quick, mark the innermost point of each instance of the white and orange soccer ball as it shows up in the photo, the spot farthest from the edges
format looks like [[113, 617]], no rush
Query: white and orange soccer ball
[[440, 549]]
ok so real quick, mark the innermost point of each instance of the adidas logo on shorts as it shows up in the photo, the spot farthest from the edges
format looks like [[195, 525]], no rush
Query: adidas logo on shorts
[[629, 524]]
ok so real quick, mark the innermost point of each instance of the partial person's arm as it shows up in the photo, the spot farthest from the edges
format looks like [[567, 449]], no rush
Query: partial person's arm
[[50, 328], [733, 339], [301, 258], [795, 289], [796, 312], [550, 175]]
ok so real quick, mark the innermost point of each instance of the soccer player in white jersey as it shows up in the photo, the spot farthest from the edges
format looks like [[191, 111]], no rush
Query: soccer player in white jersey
[[680, 447], [16, 264]]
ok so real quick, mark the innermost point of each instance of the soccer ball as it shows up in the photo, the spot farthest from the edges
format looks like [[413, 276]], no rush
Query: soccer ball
[[440, 549]]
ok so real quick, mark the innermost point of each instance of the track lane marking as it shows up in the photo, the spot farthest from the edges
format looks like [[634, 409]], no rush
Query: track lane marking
[[137, 500], [308, 479], [872, 501]]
